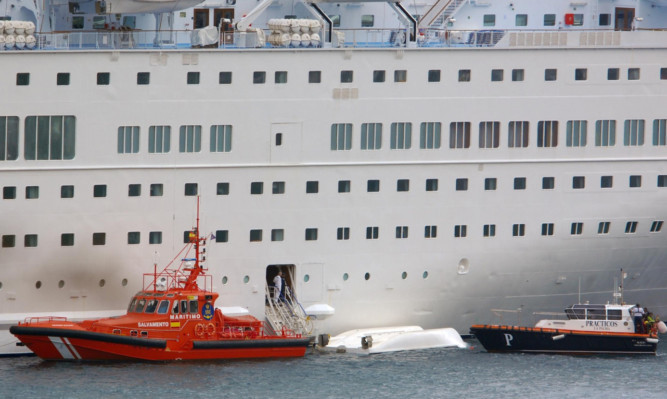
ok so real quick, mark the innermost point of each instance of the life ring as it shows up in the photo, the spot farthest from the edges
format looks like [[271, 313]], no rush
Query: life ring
[[200, 329], [210, 329]]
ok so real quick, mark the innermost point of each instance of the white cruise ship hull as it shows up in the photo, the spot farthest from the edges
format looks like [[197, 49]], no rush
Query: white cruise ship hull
[[431, 282]]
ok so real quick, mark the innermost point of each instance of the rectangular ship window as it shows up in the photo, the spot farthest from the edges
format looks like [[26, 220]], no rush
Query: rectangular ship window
[[30, 240], [222, 188], [550, 74], [576, 133], [401, 136], [278, 235], [606, 181], [225, 78], [371, 136], [547, 229], [489, 230], [157, 189], [9, 138], [280, 77], [259, 77], [434, 75], [155, 237], [343, 233], [431, 184], [221, 138], [603, 227], [660, 132], [143, 78], [22, 79], [193, 78], [103, 78], [49, 137], [312, 187], [159, 139], [497, 75], [373, 186], [128, 139], [341, 136], [67, 240], [429, 135], [459, 135], [547, 134], [315, 77], [67, 191]]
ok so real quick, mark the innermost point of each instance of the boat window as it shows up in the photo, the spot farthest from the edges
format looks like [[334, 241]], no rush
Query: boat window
[[152, 304], [140, 306], [596, 314], [575, 314], [184, 306], [614, 314], [194, 306], [174, 309], [132, 303], [164, 306]]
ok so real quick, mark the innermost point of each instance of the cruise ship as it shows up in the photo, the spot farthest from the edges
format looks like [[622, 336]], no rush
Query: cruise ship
[[403, 163]]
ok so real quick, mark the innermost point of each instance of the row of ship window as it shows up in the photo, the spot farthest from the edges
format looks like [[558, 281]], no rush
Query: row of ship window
[[518, 134], [347, 76], [344, 186], [342, 233], [53, 137]]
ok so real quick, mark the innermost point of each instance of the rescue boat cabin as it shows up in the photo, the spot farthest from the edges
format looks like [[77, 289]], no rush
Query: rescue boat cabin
[[594, 317]]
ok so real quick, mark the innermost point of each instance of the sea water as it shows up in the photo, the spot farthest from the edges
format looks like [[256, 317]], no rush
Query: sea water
[[438, 373]]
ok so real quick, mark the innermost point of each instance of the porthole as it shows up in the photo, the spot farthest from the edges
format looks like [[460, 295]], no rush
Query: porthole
[[306, 278], [102, 282], [345, 276], [246, 279], [367, 276], [425, 275], [61, 283], [464, 266], [404, 275], [124, 282], [38, 284], [224, 280]]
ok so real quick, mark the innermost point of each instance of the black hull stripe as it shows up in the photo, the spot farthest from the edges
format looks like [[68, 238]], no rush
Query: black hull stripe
[[91, 336], [252, 343]]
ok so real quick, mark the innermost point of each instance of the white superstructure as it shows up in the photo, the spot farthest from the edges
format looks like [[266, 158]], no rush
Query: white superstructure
[[399, 171]]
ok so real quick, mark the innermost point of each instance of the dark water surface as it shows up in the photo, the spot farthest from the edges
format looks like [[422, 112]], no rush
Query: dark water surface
[[441, 373]]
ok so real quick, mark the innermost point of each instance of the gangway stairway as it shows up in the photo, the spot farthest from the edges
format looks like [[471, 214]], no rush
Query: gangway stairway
[[438, 14], [286, 314]]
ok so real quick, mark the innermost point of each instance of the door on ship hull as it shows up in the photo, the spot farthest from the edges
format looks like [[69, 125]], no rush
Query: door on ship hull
[[624, 18], [224, 17], [200, 16], [288, 280]]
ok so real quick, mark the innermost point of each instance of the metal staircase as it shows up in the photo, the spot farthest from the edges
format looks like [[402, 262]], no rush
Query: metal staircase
[[286, 314], [440, 12]]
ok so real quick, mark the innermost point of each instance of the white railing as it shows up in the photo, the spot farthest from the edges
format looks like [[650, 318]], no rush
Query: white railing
[[366, 38], [286, 313]]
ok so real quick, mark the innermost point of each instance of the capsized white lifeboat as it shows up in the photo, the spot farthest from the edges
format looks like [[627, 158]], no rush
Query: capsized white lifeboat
[[393, 339]]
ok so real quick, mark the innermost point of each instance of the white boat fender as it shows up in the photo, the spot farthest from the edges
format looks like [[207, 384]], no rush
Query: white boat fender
[[558, 337], [652, 340], [662, 328], [366, 342]]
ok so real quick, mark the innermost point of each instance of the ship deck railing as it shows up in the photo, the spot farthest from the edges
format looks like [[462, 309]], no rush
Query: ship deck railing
[[359, 38]]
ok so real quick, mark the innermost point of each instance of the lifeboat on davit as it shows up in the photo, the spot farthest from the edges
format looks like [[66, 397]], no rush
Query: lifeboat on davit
[[172, 318]]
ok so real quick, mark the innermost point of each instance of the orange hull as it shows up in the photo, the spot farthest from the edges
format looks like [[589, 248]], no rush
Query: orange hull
[[64, 344]]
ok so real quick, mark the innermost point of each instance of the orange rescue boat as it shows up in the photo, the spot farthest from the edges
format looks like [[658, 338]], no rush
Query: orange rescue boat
[[172, 318]]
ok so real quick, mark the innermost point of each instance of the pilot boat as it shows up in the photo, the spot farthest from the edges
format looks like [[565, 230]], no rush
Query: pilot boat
[[588, 329], [172, 318]]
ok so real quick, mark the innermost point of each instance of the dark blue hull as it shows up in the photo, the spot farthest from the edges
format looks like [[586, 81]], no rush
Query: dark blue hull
[[536, 340]]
